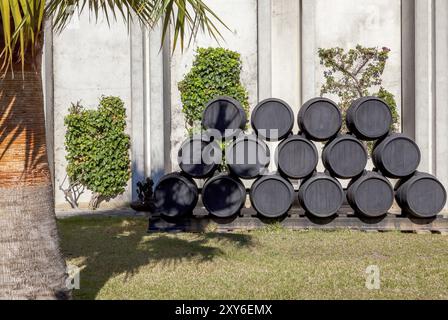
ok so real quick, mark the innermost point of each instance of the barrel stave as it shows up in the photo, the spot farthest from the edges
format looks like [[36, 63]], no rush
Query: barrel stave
[[175, 195], [272, 119], [223, 195], [247, 157], [321, 195], [396, 156], [369, 118], [226, 115], [272, 196], [421, 195], [296, 157], [344, 157], [320, 119], [198, 157], [370, 195]]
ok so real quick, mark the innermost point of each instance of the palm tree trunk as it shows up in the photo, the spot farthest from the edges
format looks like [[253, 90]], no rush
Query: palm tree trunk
[[31, 265]]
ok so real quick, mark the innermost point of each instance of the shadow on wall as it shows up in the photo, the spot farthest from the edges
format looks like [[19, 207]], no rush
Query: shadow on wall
[[108, 247], [156, 175]]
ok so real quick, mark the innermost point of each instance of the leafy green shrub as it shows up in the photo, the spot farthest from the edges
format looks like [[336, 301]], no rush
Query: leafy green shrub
[[215, 72], [98, 148], [354, 74]]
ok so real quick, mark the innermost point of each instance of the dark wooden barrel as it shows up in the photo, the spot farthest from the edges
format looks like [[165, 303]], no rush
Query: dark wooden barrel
[[369, 118], [321, 195], [344, 157], [223, 195], [225, 115], [320, 119], [247, 157], [396, 156], [271, 196], [371, 195], [175, 195], [198, 157], [421, 195], [296, 157], [272, 119]]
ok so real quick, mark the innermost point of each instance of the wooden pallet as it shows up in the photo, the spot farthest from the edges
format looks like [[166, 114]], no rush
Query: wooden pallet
[[248, 220]]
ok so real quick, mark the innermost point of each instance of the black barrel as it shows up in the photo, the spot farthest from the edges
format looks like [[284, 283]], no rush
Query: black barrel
[[247, 157], [272, 119], [271, 196], [369, 118], [198, 157], [224, 113], [320, 119], [344, 157], [420, 195], [223, 195], [321, 195], [396, 156], [371, 195], [175, 195], [296, 157]]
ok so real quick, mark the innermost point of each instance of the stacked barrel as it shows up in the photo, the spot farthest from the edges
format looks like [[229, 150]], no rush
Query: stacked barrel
[[344, 157]]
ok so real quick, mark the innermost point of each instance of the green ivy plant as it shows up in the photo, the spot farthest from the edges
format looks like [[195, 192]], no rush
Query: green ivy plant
[[98, 149], [215, 72], [354, 74]]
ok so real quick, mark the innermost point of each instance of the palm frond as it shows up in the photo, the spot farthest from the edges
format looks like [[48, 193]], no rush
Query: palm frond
[[20, 30], [21, 22], [185, 17]]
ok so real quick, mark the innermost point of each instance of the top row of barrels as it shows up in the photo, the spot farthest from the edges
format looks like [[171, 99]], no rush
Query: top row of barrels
[[320, 119]]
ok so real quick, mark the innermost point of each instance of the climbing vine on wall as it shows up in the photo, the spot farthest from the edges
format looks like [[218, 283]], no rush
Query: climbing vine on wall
[[98, 149], [215, 72]]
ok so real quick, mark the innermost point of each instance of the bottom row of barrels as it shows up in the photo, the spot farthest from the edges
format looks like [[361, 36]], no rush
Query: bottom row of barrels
[[321, 195]]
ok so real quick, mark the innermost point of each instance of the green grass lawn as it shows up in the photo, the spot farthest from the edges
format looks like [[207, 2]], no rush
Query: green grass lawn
[[119, 260]]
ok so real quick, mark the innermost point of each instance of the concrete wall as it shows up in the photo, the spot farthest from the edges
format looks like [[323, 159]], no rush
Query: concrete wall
[[440, 118], [278, 41], [89, 60], [346, 23]]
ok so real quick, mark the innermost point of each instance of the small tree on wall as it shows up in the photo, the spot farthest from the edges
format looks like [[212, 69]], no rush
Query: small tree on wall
[[215, 72], [356, 73]]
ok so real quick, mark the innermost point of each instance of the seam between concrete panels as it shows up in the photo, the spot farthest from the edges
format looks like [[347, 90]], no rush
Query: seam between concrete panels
[[264, 49], [434, 87]]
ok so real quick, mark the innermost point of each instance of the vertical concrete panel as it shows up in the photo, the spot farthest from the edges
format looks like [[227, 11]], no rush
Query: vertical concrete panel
[[424, 82], [441, 70], [285, 58], [286, 52], [241, 18], [137, 102], [264, 49], [346, 23], [156, 108], [89, 60], [408, 67], [308, 48]]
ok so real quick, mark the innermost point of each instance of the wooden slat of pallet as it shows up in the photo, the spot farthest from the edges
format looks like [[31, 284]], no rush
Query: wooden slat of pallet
[[298, 220]]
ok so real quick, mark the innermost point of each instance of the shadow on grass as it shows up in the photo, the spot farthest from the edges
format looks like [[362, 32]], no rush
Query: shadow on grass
[[106, 247]]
